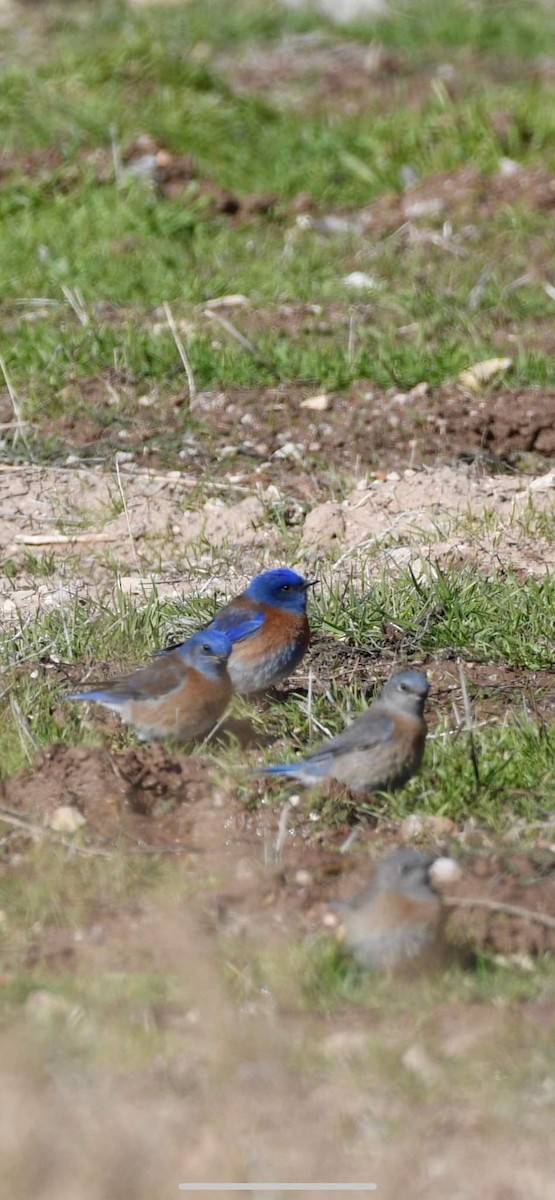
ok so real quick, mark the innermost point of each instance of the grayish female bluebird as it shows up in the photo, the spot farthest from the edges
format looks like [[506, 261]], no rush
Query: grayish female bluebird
[[397, 921], [380, 750]]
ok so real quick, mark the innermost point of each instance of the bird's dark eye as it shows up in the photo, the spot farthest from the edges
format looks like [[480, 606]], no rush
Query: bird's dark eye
[[207, 649], [286, 587]]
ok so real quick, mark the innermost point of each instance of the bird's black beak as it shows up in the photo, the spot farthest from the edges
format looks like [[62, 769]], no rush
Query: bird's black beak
[[310, 583]]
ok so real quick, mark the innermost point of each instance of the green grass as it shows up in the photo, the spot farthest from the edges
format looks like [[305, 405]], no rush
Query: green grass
[[75, 76], [504, 620], [135, 70]]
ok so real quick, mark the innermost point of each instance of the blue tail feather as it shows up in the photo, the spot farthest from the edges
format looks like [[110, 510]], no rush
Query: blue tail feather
[[101, 696], [282, 769]]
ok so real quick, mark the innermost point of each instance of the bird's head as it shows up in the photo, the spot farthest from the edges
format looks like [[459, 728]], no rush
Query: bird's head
[[281, 588]]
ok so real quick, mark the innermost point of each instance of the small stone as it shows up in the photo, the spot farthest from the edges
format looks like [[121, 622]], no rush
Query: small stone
[[412, 828], [419, 391], [416, 1060], [330, 919], [45, 1007], [543, 483], [445, 870], [360, 281], [319, 403], [423, 208], [508, 167], [440, 826], [303, 878], [292, 450], [272, 493], [66, 819]]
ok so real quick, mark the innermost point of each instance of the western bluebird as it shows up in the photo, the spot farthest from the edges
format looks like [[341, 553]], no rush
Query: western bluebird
[[380, 750], [397, 920], [268, 627], [180, 695]]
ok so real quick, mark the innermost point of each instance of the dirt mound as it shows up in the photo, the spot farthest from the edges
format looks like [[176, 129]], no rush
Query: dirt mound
[[142, 793], [377, 427], [270, 875], [526, 880], [456, 194], [502, 425]]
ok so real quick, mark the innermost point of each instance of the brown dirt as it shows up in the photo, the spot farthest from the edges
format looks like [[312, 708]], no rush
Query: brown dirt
[[266, 434], [421, 518], [140, 795], [313, 72], [457, 195], [494, 690], [526, 880], [379, 428], [171, 175], [145, 798]]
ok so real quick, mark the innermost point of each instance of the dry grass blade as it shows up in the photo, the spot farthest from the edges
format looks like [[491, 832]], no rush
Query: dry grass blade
[[239, 337], [469, 726], [19, 422], [63, 539], [127, 521], [28, 743], [116, 157], [281, 836], [512, 910], [32, 827], [76, 302], [182, 354]]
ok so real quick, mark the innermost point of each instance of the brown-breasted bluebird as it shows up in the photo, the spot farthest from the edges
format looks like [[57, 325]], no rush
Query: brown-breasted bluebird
[[380, 750], [268, 627], [179, 695], [397, 921]]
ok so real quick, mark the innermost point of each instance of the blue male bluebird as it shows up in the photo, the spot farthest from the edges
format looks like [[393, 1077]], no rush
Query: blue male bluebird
[[380, 750], [178, 696], [397, 920], [268, 627]]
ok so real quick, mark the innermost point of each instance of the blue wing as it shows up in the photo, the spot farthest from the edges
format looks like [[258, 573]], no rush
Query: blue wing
[[237, 622]]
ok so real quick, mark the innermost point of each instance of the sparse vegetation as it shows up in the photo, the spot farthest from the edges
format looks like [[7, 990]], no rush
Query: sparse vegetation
[[179, 933]]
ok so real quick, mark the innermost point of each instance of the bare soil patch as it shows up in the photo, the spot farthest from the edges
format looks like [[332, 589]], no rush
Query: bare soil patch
[[261, 436], [378, 428], [464, 193], [138, 795], [144, 798], [314, 71], [494, 688], [448, 515]]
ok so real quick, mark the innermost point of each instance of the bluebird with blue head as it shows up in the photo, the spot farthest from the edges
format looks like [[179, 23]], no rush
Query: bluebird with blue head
[[397, 921], [378, 752], [179, 695], [268, 627]]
